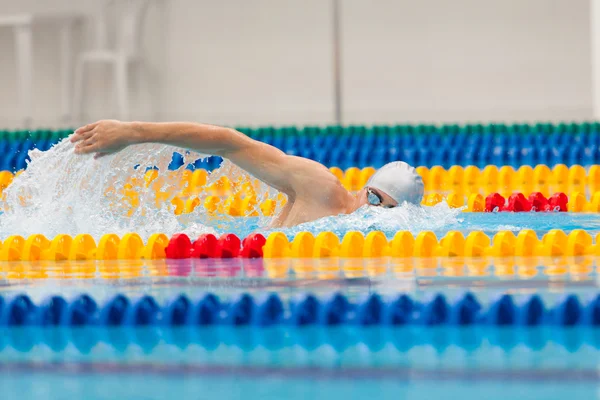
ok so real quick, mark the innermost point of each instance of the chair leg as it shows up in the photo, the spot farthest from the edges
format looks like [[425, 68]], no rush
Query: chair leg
[[66, 64], [122, 87], [23, 43], [78, 92]]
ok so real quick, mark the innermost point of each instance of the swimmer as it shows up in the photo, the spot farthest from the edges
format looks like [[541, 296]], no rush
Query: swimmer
[[313, 191]]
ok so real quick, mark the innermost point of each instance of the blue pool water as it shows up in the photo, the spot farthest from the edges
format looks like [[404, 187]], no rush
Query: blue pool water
[[443, 367], [264, 384], [271, 363]]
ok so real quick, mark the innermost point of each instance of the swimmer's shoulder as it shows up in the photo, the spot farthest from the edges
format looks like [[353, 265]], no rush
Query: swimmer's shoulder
[[331, 193], [322, 179], [317, 184]]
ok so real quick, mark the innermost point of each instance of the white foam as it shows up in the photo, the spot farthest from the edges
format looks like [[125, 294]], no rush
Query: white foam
[[407, 217], [61, 192]]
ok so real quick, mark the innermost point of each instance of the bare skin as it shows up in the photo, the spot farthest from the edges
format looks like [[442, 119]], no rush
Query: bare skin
[[313, 191]]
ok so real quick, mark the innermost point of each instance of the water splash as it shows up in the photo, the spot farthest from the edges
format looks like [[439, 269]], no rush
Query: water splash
[[407, 217], [440, 219], [61, 192]]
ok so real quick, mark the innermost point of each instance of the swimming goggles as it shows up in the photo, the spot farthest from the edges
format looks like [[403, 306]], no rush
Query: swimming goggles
[[373, 198]]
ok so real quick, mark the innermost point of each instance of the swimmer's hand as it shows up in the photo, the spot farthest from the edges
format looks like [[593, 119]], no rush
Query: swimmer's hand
[[104, 137]]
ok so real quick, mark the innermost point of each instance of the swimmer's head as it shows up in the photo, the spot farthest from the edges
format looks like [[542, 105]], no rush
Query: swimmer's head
[[393, 184]]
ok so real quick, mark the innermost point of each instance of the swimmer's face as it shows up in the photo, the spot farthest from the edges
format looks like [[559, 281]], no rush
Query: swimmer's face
[[376, 198]]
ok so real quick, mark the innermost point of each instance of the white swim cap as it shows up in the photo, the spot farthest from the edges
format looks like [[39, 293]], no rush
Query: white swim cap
[[400, 181]]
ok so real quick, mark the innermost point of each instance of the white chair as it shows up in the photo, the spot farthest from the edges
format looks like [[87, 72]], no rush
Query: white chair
[[123, 54]]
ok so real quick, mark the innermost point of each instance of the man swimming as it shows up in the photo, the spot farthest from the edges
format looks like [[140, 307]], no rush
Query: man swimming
[[313, 191]]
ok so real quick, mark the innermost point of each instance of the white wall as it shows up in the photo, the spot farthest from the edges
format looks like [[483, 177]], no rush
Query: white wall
[[270, 61], [467, 60]]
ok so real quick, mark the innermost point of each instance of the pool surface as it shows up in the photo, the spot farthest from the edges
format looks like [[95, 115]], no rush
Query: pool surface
[[293, 362]]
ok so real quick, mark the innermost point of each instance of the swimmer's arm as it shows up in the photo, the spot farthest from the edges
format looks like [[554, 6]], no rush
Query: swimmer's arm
[[289, 174]]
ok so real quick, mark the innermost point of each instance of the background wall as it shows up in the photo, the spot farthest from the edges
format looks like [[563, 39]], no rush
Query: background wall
[[270, 62]]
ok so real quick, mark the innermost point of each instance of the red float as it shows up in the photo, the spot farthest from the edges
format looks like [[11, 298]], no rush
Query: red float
[[494, 203], [538, 202], [228, 246], [518, 203], [179, 247], [558, 202], [252, 246], [205, 246]]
